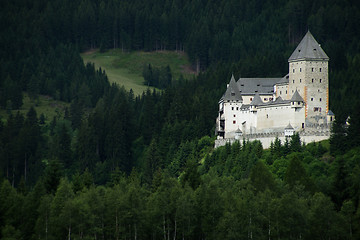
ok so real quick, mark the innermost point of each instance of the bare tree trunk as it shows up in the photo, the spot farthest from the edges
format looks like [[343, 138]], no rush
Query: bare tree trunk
[[25, 167], [135, 230], [116, 226], [164, 228], [198, 65], [175, 230]]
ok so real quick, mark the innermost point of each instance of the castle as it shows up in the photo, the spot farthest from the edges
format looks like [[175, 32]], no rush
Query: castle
[[265, 108]]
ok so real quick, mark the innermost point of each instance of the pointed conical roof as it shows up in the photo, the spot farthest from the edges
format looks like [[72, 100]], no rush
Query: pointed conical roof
[[308, 48], [257, 100], [330, 113], [296, 97], [289, 127], [238, 131], [278, 99], [232, 92]]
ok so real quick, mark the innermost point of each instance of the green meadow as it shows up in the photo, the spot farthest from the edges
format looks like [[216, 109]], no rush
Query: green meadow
[[43, 105], [125, 68]]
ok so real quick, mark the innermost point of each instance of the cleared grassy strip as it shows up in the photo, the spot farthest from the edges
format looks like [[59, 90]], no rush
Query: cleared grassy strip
[[44, 105], [125, 68]]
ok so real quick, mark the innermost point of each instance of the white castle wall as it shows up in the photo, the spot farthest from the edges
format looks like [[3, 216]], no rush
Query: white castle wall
[[266, 139]]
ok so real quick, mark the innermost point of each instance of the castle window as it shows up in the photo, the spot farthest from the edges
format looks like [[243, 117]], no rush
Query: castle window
[[298, 103], [312, 80], [280, 93], [234, 122], [265, 99], [302, 125], [256, 91], [312, 99], [286, 92], [320, 99], [300, 69], [237, 108], [292, 91], [258, 85], [267, 115], [232, 94], [320, 80], [251, 99], [232, 108], [316, 109], [234, 115], [319, 109], [312, 69], [320, 69], [293, 70], [300, 80], [293, 81]]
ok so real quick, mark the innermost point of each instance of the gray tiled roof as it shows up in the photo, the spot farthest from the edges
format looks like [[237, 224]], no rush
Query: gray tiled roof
[[308, 48], [284, 80], [289, 126], [257, 100], [232, 92], [296, 97], [259, 85], [330, 113]]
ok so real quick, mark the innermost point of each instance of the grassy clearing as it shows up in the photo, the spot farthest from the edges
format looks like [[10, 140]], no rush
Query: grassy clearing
[[44, 105], [125, 68]]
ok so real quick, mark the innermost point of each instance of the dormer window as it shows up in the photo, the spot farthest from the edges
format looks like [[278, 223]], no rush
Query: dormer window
[[258, 85], [232, 94]]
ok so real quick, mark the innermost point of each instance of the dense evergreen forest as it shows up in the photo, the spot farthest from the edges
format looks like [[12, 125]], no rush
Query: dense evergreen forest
[[118, 166]]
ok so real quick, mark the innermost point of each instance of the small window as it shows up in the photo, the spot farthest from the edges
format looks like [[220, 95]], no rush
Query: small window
[[234, 122], [234, 115], [237, 108], [232, 94], [312, 80], [300, 69], [320, 80], [256, 91], [280, 92], [293, 81], [312, 69], [267, 115], [316, 109], [258, 85], [319, 69], [312, 99], [232, 108], [302, 125], [292, 91], [292, 103], [300, 80], [298, 103], [293, 70], [320, 99], [251, 99], [265, 99]]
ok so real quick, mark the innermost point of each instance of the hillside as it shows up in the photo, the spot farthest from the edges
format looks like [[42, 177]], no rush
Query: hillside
[[125, 68]]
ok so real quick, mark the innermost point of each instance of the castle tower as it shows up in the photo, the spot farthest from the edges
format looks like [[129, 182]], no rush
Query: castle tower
[[229, 107], [308, 74]]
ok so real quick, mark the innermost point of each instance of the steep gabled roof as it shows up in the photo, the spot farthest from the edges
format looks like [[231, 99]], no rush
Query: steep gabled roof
[[308, 49], [283, 80], [296, 97], [260, 85], [257, 100], [232, 92]]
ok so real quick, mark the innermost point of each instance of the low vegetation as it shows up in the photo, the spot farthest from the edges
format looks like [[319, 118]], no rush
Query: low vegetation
[[126, 68]]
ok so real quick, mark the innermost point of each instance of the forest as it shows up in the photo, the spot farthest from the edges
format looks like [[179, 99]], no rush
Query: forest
[[114, 165]]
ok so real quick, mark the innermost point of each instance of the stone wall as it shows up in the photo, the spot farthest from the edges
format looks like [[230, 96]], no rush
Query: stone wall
[[308, 136]]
